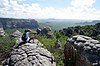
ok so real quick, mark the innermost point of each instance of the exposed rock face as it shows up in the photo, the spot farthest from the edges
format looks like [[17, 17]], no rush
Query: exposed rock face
[[2, 32], [66, 31], [50, 35], [30, 54], [18, 23], [57, 44], [97, 25], [17, 34], [85, 51], [43, 31]]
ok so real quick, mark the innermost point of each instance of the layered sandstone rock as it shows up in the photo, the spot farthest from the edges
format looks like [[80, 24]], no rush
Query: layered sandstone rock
[[85, 50], [30, 54]]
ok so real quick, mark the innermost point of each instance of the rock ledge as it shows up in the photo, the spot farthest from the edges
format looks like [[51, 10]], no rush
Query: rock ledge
[[30, 54]]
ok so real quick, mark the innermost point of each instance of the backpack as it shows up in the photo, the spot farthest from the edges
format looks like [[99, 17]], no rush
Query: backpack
[[24, 38]]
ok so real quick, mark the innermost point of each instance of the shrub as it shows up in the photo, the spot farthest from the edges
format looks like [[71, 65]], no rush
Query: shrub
[[50, 43], [6, 43]]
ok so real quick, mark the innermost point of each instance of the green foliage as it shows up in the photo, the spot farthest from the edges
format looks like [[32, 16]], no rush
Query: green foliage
[[10, 31], [88, 30], [57, 35], [50, 43], [87, 34], [5, 46]]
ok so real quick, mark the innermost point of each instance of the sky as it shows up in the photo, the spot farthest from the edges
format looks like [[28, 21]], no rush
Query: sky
[[44, 9]]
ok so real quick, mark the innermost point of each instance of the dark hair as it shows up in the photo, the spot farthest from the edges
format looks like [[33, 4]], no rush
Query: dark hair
[[28, 30], [25, 31]]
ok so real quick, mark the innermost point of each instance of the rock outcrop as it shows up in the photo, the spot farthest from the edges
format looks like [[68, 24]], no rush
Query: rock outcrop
[[84, 50], [67, 31], [97, 25], [30, 54], [17, 33], [43, 31], [57, 44], [2, 32]]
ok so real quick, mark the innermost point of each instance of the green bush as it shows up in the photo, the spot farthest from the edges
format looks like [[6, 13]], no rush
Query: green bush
[[50, 43], [6, 43]]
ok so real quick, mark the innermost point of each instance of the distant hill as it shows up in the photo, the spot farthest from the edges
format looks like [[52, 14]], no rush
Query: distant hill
[[18, 23], [89, 22], [96, 21], [57, 24]]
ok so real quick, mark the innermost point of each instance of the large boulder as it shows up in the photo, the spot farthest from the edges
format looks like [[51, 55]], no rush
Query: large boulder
[[43, 31], [2, 32], [66, 31], [85, 51], [30, 54], [17, 33], [97, 25]]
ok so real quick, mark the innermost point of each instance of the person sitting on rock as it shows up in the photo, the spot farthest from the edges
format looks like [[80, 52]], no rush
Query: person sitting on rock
[[25, 36]]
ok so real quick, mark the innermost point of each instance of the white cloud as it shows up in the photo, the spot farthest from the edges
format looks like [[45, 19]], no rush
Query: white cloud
[[78, 9], [83, 3]]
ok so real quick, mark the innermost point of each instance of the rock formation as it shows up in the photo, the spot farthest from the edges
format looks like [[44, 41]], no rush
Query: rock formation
[[57, 44], [97, 25], [30, 54], [84, 50], [16, 34], [66, 31], [18, 23], [50, 35], [2, 32], [43, 31]]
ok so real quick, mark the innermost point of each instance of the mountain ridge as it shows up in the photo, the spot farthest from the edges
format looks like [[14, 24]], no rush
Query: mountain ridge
[[18, 23]]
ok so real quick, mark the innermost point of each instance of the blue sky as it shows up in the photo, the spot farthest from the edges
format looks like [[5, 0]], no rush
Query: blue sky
[[56, 3], [59, 9], [97, 4], [50, 3]]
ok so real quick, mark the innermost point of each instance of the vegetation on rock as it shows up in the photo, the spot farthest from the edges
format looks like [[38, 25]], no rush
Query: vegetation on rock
[[50, 43], [6, 43], [88, 30]]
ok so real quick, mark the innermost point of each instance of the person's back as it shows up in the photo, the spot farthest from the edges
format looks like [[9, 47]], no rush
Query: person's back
[[25, 36]]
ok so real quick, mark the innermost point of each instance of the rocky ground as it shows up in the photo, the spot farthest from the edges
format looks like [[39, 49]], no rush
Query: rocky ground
[[30, 54]]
